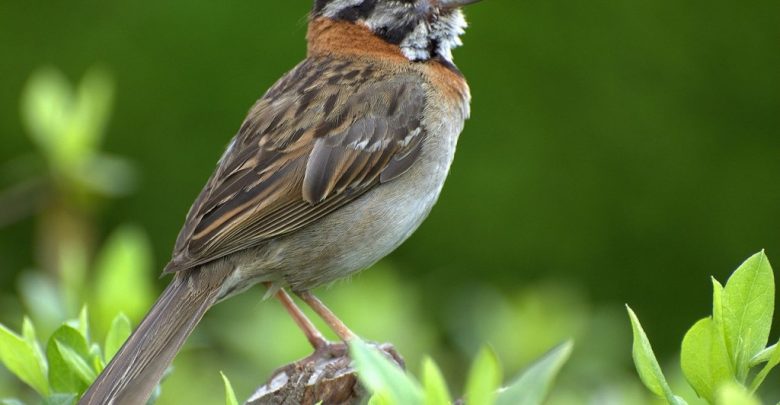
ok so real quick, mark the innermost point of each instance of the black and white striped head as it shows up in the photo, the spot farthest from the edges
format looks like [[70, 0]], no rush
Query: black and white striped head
[[424, 29]]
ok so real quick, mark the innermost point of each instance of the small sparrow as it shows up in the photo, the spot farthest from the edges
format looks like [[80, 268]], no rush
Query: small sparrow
[[333, 168]]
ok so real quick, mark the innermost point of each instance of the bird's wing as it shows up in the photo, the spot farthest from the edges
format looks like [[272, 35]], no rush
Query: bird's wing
[[322, 136]]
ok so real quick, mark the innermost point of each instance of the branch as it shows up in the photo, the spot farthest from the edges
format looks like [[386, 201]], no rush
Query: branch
[[326, 376]]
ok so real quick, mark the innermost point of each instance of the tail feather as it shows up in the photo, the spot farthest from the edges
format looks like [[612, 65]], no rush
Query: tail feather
[[137, 368]]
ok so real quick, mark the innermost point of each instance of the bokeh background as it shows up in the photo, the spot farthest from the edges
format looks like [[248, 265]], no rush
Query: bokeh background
[[618, 152]]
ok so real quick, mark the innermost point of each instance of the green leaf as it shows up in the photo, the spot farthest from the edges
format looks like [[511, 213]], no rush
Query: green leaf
[[28, 333], [735, 394], [436, 392], [763, 356], [772, 362], [65, 372], [61, 399], [704, 359], [531, 387], [117, 335], [10, 401], [230, 395], [122, 282], [76, 362], [96, 358], [21, 355], [81, 324], [383, 378], [46, 102], [647, 365], [484, 379], [378, 399], [84, 322], [94, 99], [66, 123], [748, 306], [717, 306]]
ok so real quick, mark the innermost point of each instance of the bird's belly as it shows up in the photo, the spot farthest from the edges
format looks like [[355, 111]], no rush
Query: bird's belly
[[360, 233]]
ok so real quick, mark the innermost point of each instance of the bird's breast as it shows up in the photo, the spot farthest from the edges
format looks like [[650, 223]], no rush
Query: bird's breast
[[370, 227]]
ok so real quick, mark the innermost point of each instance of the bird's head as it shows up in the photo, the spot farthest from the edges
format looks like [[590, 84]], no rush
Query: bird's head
[[423, 29]]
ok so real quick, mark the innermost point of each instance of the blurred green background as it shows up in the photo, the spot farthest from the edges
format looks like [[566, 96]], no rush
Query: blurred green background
[[618, 151]]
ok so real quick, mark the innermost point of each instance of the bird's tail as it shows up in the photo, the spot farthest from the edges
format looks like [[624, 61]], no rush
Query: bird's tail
[[138, 367]]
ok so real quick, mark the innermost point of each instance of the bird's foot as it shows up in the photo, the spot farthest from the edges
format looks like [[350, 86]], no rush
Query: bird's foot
[[330, 349], [333, 350]]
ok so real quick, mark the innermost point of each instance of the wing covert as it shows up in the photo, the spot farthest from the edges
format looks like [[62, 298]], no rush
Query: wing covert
[[306, 148]]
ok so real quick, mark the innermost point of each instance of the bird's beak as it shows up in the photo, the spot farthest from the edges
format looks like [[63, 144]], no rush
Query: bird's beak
[[450, 4]]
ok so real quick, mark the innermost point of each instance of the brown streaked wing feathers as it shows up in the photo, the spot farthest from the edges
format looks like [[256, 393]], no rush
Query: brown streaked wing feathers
[[305, 149]]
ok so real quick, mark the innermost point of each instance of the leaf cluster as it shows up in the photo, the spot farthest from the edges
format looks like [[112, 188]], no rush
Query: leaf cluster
[[68, 123], [723, 356], [392, 386], [64, 368]]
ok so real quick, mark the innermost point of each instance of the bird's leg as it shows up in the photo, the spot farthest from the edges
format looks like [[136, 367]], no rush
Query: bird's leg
[[343, 332], [313, 335], [327, 315]]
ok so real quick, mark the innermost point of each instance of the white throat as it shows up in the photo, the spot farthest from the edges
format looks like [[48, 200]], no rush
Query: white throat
[[422, 32], [431, 39]]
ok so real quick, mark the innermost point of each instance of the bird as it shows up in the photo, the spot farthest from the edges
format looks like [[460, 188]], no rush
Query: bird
[[336, 165]]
